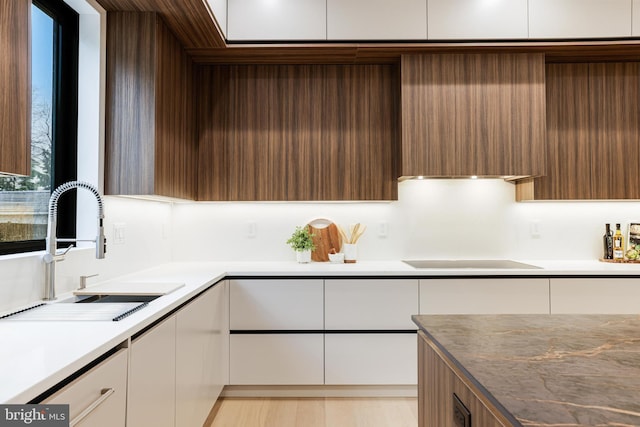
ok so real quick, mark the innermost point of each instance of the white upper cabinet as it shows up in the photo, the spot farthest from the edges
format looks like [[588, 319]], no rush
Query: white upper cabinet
[[477, 19], [376, 19], [277, 20], [219, 9], [569, 19], [635, 23]]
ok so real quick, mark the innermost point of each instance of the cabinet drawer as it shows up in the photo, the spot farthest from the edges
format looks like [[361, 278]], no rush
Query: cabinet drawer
[[370, 304], [370, 359], [276, 359], [579, 18], [484, 296], [276, 304], [86, 390], [595, 296]]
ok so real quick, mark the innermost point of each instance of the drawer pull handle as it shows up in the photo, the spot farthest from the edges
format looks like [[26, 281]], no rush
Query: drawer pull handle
[[105, 393]]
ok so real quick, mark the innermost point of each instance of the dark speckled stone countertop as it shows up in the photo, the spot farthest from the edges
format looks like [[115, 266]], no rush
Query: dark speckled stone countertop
[[549, 370]]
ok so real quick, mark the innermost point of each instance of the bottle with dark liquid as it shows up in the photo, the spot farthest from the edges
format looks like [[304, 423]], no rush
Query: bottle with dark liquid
[[607, 240]]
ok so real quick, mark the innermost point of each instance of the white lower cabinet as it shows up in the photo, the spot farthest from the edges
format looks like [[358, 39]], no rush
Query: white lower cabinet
[[367, 304], [595, 296], [378, 348], [270, 321], [484, 296], [98, 398], [370, 359], [276, 304], [202, 355], [152, 377], [277, 359], [178, 367]]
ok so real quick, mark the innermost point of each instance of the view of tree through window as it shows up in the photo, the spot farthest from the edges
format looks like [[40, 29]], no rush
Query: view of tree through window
[[23, 200]]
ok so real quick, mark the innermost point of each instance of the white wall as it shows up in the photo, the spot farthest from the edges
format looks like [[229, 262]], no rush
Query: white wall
[[432, 218], [22, 276]]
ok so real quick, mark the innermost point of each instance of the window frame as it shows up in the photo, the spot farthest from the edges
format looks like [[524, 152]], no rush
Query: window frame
[[64, 117]]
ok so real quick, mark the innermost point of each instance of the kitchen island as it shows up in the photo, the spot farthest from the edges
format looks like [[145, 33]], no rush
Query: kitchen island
[[529, 370]]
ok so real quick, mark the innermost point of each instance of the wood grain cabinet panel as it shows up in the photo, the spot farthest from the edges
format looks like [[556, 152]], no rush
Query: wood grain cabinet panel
[[593, 133], [189, 20], [150, 137], [287, 132], [438, 380], [15, 87], [473, 114]]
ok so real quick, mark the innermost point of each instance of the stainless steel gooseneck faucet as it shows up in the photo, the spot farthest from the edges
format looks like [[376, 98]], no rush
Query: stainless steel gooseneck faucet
[[51, 255]]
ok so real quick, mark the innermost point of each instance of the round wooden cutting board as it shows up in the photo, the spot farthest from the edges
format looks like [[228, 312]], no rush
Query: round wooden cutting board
[[326, 237]]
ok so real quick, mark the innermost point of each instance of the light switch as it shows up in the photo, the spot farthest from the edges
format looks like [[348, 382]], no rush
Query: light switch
[[534, 229], [251, 229], [119, 233], [383, 229]]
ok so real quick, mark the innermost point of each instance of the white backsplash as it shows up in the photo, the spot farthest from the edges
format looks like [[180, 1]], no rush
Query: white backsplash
[[22, 276], [432, 219], [444, 218]]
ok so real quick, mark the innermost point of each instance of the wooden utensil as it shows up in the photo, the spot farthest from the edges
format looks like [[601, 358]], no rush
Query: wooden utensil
[[326, 237]]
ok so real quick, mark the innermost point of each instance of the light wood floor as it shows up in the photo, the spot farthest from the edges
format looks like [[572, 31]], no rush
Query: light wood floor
[[314, 412]]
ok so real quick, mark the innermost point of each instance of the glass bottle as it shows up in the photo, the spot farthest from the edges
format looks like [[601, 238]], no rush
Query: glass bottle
[[618, 244], [607, 240]]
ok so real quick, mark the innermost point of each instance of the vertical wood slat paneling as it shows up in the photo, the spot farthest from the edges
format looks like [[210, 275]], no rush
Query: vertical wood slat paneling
[[569, 153], [130, 103], [189, 20], [614, 94], [473, 114], [15, 87], [593, 133], [176, 143], [437, 382], [150, 136], [299, 132], [213, 119]]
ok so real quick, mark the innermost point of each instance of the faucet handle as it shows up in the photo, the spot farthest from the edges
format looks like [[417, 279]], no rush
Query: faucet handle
[[83, 280]]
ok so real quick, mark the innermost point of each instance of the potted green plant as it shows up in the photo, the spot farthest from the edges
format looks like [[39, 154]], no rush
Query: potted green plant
[[301, 241]]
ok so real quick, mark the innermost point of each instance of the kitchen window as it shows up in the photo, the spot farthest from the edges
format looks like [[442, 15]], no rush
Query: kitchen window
[[54, 83]]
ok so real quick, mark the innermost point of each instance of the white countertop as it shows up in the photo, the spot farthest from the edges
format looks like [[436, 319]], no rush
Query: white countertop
[[35, 356]]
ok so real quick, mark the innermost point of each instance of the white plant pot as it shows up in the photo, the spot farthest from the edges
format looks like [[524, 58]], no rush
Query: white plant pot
[[303, 257]]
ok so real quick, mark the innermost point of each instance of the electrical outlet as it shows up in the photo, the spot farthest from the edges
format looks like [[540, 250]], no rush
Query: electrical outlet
[[251, 229], [119, 233], [534, 229], [383, 229]]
